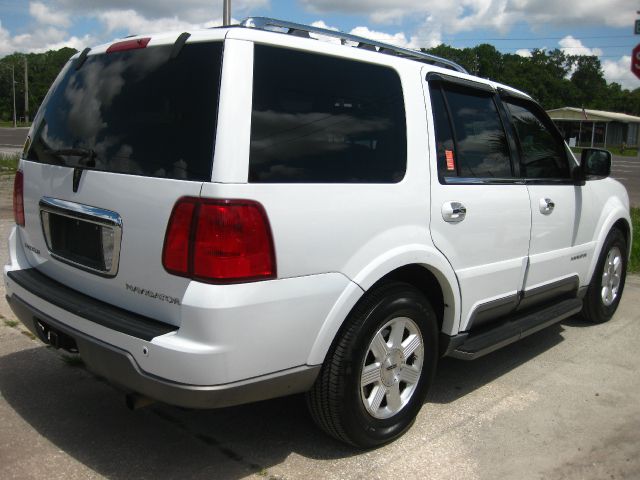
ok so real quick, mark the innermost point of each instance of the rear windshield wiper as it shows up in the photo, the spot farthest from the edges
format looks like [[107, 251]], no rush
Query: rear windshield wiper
[[82, 153]]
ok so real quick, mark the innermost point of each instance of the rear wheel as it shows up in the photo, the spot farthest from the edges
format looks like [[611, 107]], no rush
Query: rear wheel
[[607, 284], [377, 373]]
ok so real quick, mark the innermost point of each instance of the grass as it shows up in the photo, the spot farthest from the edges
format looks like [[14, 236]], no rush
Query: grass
[[10, 323], [634, 265], [9, 124], [9, 163], [628, 152]]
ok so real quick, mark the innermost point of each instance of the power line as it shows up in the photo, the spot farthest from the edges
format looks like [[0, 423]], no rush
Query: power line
[[574, 48], [509, 39]]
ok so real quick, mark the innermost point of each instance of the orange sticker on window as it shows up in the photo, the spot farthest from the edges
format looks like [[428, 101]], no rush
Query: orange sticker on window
[[451, 165]]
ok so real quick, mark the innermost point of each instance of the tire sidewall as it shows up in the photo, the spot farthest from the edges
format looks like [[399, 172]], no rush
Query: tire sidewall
[[373, 431]]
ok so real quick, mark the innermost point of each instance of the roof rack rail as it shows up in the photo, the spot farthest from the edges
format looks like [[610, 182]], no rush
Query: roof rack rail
[[263, 23]]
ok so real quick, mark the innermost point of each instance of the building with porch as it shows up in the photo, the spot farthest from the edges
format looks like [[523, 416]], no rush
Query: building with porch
[[596, 128]]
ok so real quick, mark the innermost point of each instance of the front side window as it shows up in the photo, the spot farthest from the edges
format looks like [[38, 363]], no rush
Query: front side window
[[542, 155], [470, 138], [322, 119]]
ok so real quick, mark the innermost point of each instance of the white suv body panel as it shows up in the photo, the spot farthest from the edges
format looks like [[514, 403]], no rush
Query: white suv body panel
[[333, 242]]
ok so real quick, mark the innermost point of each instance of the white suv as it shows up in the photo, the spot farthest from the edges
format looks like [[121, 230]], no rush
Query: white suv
[[234, 214]]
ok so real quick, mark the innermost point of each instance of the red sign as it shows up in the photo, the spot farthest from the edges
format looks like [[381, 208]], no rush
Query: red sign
[[635, 60]]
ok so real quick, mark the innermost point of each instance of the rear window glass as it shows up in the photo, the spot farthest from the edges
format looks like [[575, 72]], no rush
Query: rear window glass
[[324, 119], [135, 112]]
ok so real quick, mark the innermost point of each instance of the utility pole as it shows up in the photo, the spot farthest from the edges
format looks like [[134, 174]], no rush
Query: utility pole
[[226, 12], [26, 91], [13, 86]]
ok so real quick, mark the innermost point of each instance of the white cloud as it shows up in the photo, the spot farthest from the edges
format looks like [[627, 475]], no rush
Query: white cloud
[[322, 24], [398, 39], [499, 14], [523, 52], [619, 71], [192, 11], [573, 46], [132, 22], [44, 15], [41, 40]]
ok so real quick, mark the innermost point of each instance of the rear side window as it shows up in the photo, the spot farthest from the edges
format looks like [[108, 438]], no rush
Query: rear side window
[[321, 119], [543, 156], [470, 138], [137, 112]]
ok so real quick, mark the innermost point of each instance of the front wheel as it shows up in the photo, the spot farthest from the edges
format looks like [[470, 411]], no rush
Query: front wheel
[[377, 373], [605, 289]]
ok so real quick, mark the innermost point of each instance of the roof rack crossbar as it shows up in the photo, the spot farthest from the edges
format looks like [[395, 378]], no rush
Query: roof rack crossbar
[[263, 23]]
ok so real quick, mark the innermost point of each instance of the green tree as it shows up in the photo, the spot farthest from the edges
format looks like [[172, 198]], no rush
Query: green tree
[[42, 71]]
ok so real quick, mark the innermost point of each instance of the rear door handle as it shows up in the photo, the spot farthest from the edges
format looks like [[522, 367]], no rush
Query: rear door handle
[[453, 212], [546, 206]]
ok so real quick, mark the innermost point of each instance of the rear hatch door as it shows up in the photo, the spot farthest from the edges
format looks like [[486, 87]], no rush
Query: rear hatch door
[[119, 138]]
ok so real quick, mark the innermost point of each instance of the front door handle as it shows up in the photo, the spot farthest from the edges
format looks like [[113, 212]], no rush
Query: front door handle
[[546, 206], [453, 212]]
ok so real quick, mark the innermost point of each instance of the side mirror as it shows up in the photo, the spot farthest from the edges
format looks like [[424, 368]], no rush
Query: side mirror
[[595, 163]]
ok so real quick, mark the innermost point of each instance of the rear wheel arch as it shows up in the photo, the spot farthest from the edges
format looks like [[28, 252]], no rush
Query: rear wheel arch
[[436, 285], [422, 279]]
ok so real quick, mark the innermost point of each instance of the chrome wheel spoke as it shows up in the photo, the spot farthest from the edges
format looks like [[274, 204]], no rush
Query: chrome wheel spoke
[[379, 347], [370, 374], [397, 332], [394, 402], [377, 396], [410, 375], [411, 345]]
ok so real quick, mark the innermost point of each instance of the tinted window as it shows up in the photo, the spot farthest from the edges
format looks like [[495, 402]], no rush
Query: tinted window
[[136, 112], [542, 154], [444, 136], [323, 119], [481, 145]]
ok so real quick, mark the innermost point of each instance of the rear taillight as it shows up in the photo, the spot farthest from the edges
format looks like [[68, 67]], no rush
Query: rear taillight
[[219, 241], [18, 198]]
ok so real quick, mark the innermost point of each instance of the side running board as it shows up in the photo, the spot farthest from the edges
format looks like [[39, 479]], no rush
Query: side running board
[[475, 345]]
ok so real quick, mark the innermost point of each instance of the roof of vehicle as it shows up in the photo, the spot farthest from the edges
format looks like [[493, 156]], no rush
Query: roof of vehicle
[[296, 32]]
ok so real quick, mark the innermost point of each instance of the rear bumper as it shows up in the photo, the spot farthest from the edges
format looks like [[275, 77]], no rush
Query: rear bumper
[[233, 344], [121, 369]]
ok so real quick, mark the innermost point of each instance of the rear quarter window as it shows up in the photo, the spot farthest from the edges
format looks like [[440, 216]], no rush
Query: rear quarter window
[[322, 119]]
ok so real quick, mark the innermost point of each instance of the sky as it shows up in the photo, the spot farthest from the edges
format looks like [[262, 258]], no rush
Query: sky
[[578, 27]]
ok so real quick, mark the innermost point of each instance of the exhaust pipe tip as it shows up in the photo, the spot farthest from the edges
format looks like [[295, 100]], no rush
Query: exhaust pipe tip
[[135, 401]]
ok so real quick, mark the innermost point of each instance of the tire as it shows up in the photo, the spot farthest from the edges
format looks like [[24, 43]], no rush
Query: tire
[[607, 283], [377, 372]]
